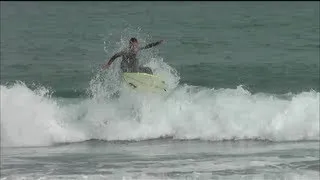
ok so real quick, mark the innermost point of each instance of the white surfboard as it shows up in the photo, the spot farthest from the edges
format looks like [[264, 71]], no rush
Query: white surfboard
[[145, 82]]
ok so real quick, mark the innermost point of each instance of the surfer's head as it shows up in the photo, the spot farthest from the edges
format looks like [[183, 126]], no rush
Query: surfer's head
[[133, 44]]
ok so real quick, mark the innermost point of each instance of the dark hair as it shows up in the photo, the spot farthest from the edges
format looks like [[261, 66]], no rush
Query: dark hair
[[133, 40]]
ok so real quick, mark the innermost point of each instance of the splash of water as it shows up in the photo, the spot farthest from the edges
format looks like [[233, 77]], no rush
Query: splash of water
[[106, 83]]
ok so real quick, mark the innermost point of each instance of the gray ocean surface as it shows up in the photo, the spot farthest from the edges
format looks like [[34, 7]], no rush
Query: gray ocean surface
[[242, 102]]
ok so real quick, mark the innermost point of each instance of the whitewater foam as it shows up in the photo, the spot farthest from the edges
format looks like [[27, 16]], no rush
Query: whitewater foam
[[32, 118]]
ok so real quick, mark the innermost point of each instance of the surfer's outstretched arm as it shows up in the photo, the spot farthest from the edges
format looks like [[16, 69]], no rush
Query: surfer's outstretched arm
[[114, 57], [152, 44]]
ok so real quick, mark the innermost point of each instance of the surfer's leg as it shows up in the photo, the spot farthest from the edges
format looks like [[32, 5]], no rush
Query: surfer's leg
[[123, 68], [134, 67], [145, 70]]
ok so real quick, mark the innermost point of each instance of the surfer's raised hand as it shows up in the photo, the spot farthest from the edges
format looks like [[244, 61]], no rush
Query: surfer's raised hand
[[152, 44]]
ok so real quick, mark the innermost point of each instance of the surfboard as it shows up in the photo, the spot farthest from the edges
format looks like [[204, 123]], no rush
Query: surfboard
[[145, 82]]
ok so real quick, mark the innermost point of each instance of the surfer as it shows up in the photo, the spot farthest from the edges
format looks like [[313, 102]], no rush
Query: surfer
[[129, 61]]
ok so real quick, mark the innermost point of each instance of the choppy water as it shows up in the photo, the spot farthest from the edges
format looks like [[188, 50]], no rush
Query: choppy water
[[243, 80]]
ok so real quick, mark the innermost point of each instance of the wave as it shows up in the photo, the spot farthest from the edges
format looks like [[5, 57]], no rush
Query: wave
[[34, 118]]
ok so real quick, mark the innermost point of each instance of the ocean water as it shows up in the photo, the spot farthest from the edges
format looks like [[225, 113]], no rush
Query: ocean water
[[242, 102]]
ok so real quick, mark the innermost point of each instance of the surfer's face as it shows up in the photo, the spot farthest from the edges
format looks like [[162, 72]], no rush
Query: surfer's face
[[134, 46]]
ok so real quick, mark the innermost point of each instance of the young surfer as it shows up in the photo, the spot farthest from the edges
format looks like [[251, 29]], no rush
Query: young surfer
[[129, 61]]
